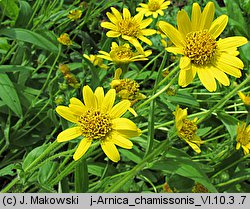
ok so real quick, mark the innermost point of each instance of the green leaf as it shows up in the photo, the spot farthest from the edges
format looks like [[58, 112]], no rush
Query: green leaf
[[25, 14], [81, 177], [9, 95], [183, 99], [33, 155], [14, 68], [230, 123], [8, 170], [29, 37], [46, 171], [10, 8], [180, 163]]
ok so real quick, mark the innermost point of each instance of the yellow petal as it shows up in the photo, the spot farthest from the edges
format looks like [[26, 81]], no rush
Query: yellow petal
[[82, 148], [109, 25], [116, 13], [137, 45], [196, 17], [123, 124], [183, 22], [173, 34], [76, 101], [118, 73], [112, 18], [185, 63], [69, 134], [132, 111], [148, 32], [99, 93], [242, 96], [138, 18], [231, 60], [220, 76], [121, 141], [110, 150], [194, 146], [113, 34], [175, 50], [207, 16], [145, 40], [238, 146], [119, 109], [89, 97], [218, 26], [246, 150], [231, 42], [66, 113], [108, 100], [207, 78], [145, 23], [76, 109], [228, 69], [186, 77], [126, 14]]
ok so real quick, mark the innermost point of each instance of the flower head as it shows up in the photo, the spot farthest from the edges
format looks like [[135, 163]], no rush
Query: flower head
[[65, 39], [244, 98], [128, 27], [68, 76], [123, 54], [98, 119], [75, 14], [126, 88], [96, 61], [195, 40], [154, 7], [187, 129], [243, 138]]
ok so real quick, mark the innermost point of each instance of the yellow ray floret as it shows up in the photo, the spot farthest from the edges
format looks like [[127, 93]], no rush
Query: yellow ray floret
[[98, 119], [128, 27], [186, 129], [153, 7], [202, 54]]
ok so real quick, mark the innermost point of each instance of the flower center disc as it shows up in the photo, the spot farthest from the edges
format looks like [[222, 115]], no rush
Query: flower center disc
[[128, 27], [94, 124], [127, 89], [121, 53], [200, 47], [188, 130], [153, 6]]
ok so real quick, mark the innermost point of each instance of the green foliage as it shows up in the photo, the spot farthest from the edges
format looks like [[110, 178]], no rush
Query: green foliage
[[32, 86]]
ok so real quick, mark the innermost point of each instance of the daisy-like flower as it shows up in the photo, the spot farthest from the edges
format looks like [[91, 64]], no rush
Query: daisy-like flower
[[154, 7], [96, 61], [65, 39], [98, 119], [75, 14], [195, 40], [244, 98], [123, 54], [129, 28], [243, 138], [187, 129], [126, 88]]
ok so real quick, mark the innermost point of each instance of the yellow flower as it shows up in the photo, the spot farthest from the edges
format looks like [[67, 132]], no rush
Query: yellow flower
[[65, 39], [187, 129], [68, 76], [123, 54], [75, 14], [154, 7], [244, 98], [195, 40], [98, 119], [129, 28], [243, 138], [96, 61]]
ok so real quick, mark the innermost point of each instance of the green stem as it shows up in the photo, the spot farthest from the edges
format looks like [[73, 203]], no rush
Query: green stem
[[117, 185], [223, 100], [33, 164], [161, 91]]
